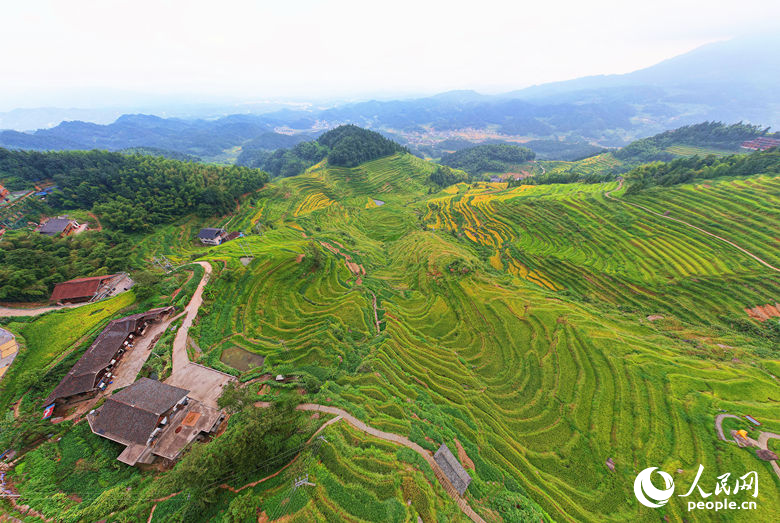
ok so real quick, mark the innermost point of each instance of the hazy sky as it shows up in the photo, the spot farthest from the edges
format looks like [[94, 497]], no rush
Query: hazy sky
[[63, 52]]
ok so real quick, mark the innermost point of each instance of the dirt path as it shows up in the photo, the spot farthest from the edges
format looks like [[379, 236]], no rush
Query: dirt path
[[180, 359], [205, 384], [399, 440], [745, 251], [6, 312], [763, 443], [763, 437], [376, 316], [719, 424], [99, 226]]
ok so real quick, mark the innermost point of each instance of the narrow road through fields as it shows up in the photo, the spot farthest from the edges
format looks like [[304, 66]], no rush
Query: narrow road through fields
[[398, 440], [763, 443], [206, 384], [636, 205], [719, 424], [6, 312], [203, 383], [763, 437]]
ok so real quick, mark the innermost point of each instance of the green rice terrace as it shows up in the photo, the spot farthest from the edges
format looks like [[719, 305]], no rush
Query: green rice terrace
[[556, 338]]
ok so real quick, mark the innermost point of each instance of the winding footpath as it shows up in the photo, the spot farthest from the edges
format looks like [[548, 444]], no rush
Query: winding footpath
[[763, 437], [343, 415], [185, 370], [7, 312], [608, 194]]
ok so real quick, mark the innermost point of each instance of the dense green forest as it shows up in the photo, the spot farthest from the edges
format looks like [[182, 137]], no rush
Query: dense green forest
[[488, 158], [445, 176], [90, 253], [685, 170], [715, 135], [131, 193], [347, 146], [165, 153]]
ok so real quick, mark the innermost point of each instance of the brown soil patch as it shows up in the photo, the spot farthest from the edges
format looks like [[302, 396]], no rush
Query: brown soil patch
[[463, 457], [299, 258], [353, 267], [764, 312]]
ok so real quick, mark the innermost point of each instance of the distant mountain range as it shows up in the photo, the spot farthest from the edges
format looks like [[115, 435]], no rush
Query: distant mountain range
[[732, 81]]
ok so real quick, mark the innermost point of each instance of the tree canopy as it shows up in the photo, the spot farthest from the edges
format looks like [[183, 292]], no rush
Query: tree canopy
[[685, 170], [707, 134], [488, 158], [132, 193], [347, 145], [31, 263]]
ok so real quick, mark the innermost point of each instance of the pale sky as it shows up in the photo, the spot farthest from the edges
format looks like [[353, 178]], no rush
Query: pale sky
[[63, 52]]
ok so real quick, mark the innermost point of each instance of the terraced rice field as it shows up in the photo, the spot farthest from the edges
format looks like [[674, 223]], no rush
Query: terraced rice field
[[691, 150], [587, 166], [546, 328]]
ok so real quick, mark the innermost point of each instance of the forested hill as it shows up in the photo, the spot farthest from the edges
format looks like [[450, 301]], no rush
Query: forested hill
[[345, 146], [686, 170], [130, 192], [713, 135], [488, 158]]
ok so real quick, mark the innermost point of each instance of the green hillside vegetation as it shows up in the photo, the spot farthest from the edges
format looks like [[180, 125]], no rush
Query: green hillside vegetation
[[685, 170], [594, 169], [346, 146], [349, 145], [132, 193], [715, 137], [542, 328], [508, 318], [488, 158], [165, 153], [31, 263]]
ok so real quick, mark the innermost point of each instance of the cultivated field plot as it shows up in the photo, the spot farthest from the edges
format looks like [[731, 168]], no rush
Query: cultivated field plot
[[691, 150], [592, 165], [515, 321]]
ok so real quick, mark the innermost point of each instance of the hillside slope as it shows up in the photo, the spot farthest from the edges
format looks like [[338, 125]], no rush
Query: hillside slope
[[547, 328], [541, 330]]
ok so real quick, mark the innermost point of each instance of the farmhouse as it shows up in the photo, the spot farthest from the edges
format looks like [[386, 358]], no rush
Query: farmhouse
[[152, 420], [452, 468], [55, 227], [94, 369], [85, 289], [211, 236]]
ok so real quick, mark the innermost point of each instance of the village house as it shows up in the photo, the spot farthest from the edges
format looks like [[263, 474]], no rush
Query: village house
[[85, 289], [94, 370], [211, 236], [152, 420], [56, 227]]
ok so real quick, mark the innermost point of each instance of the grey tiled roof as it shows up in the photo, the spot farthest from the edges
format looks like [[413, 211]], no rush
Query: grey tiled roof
[[130, 416], [82, 377], [54, 226], [452, 468], [210, 233]]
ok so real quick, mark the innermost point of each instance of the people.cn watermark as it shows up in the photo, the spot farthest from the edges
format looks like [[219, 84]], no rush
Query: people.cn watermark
[[651, 496]]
